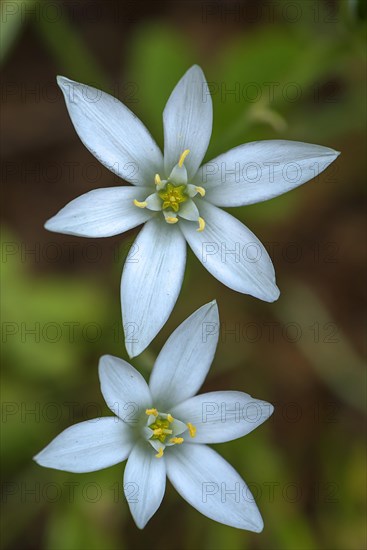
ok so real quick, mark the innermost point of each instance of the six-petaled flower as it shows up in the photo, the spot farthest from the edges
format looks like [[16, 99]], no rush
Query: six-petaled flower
[[162, 430], [177, 198]]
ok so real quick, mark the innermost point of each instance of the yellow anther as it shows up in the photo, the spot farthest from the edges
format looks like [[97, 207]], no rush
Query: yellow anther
[[154, 412], [171, 220], [157, 179], [201, 224], [170, 418], [140, 204], [160, 453], [176, 440], [192, 429], [182, 157], [200, 190]]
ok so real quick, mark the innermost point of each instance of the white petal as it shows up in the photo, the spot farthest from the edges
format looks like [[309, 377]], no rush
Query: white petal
[[212, 486], [151, 282], [89, 446], [154, 202], [112, 133], [101, 213], [222, 416], [261, 170], [144, 482], [124, 389], [178, 176], [187, 120], [232, 253], [189, 211], [178, 428], [185, 359]]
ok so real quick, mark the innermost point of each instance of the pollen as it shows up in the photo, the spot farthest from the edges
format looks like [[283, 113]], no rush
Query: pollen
[[140, 204], [192, 429], [182, 157], [154, 412], [176, 440], [157, 179], [171, 220], [160, 453], [201, 222], [170, 418], [200, 190]]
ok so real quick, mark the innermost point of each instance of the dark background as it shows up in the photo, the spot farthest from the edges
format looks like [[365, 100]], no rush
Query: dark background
[[278, 69]]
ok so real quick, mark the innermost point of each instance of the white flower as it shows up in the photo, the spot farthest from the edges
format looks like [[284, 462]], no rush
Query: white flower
[[162, 428], [176, 199]]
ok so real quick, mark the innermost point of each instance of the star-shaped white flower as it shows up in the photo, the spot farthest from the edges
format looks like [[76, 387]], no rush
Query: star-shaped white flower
[[162, 430], [176, 199]]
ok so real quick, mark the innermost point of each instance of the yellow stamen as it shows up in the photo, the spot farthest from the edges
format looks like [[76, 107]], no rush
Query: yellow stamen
[[176, 440], [182, 157], [140, 204], [154, 412], [157, 179], [160, 453], [170, 418], [200, 190], [161, 431], [192, 429], [171, 220], [201, 224]]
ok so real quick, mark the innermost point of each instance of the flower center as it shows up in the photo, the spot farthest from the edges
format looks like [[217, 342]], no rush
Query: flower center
[[173, 197], [162, 430]]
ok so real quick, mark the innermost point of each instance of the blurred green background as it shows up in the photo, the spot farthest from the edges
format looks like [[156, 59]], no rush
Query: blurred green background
[[277, 69]]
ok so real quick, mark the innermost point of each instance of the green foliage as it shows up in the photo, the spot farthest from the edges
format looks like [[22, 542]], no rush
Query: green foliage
[[38, 314], [153, 48], [11, 22], [322, 452]]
